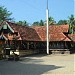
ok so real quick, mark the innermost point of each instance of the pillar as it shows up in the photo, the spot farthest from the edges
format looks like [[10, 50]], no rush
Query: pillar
[[27, 45]]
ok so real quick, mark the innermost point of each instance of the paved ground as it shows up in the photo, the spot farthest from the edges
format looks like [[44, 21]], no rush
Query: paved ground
[[39, 65]]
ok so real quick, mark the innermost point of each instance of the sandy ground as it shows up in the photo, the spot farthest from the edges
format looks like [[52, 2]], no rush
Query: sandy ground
[[40, 64]]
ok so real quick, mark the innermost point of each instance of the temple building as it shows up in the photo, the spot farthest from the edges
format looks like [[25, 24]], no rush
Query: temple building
[[33, 38]]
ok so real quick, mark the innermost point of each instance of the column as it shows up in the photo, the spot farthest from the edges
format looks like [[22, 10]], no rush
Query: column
[[27, 45]]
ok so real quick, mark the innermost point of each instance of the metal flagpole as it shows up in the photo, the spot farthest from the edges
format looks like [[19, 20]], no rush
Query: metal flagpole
[[47, 28]]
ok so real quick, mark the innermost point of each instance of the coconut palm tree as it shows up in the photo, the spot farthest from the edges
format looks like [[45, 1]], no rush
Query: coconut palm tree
[[51, 21], [71, 23]]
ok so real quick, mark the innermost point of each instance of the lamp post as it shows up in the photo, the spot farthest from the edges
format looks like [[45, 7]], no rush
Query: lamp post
[[47, 14]]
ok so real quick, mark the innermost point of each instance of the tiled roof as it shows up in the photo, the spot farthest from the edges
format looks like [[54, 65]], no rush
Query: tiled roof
[[72, 37], [56, 33], [25, 32], [52, 28], [38, 33], [59, 37]]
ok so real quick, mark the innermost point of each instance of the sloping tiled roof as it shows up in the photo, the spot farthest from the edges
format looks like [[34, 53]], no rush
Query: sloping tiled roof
[[72, 37], [52, 28], [38, 33], [59, 37], [56, 33], [25, 32]]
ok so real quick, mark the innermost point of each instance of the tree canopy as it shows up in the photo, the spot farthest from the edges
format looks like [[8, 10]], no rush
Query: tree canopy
[[23, 23], [61, 22], [71, 23], [4, 14], [41, 23], [51, 21], [35, 23]]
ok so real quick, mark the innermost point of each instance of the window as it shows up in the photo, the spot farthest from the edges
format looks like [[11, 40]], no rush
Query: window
[[5, 26]]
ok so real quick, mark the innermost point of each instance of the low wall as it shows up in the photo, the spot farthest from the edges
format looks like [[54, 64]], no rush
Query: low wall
[[55, 51], [59, 51], [29, 52], [24, 52]]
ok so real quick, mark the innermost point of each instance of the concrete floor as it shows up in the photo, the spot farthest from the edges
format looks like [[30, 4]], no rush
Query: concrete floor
[[40, 64]]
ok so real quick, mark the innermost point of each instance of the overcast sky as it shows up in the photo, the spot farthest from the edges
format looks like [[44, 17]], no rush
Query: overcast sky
[[35, 10]]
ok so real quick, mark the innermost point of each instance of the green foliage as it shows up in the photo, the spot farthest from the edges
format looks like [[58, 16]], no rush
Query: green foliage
[[23, 23], [35, 24], [71, 23], [51, 21], [4, 14], [62, 22], [41, 23]]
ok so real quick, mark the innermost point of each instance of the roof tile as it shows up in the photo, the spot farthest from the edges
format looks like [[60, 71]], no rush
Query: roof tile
[[38, 33]]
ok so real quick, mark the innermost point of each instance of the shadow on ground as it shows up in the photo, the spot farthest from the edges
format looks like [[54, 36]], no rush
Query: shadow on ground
[[22, 68], [37, 55]]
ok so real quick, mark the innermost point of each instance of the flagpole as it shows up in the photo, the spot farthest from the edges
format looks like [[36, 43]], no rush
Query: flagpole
[[47, 14]]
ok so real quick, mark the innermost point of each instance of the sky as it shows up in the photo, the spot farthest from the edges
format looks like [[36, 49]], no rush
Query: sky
[[35, 10]]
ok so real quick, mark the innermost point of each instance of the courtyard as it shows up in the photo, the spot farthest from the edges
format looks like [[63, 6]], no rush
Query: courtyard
[[40, 64]]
